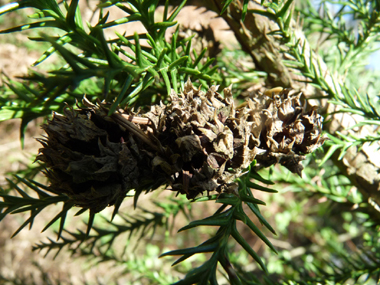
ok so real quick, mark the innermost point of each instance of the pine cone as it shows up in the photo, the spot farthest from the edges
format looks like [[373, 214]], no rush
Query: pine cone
[[91, 159], [198, 142], [287, 131]]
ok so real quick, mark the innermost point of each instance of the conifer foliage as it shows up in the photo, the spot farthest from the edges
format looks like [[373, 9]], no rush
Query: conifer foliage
[[189, 120]]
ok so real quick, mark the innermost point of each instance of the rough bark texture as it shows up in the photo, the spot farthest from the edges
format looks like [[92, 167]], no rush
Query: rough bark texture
[[253, 36]]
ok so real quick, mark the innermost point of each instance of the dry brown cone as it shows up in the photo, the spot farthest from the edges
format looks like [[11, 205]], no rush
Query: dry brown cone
[[198, 142]]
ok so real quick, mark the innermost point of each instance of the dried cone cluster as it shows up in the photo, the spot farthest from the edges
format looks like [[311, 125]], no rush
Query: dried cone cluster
[[198, 142]]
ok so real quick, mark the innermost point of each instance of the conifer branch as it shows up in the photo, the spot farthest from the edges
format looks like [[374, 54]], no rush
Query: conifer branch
[[266, 23], [195, 141]]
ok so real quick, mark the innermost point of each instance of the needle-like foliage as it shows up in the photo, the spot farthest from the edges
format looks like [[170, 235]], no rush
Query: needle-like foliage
[[325, 219]]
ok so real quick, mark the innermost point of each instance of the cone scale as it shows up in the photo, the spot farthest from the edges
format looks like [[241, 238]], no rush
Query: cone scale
[[199, 142]]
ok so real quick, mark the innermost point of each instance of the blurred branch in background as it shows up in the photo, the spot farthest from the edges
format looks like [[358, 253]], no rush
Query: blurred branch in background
[[352, 115], [326, 220]]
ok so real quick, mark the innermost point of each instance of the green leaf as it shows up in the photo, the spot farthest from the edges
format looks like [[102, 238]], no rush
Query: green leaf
[[161, 57], [69, 57], [284, 9], [72, 15], [329, 153], [161, 25], [90, 223], [263, 13], [253, 174], [229, 199], [245, 9], [251, 200], [247, 248], [114, 61], [166, 80], [176, 11], [256, 230], [199, 57], [61, 215], [178, 62], [60, 41], [256, 211], [42, 24], [15, 204], [33, 214], [259, 187], [225, 6], [124, 20], [220, 219], [203, 248], [121, 95]]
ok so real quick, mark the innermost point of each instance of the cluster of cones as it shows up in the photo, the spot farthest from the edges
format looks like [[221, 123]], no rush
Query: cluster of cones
[[200, 141]]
